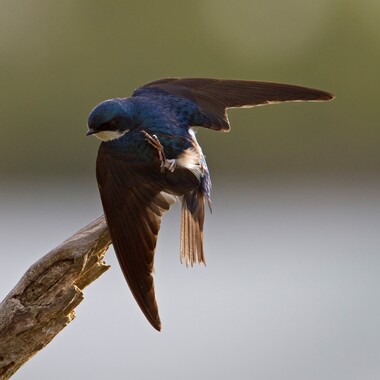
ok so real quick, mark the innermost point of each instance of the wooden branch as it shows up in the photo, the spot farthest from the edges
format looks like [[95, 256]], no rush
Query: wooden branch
[[43, 301]]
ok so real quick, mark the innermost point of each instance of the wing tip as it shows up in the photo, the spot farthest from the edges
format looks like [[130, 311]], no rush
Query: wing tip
[[157, 325], [326, 96], [151, 314], [155, 321]]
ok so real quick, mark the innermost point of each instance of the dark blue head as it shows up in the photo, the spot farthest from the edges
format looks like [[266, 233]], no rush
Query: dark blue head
[[109, 120]]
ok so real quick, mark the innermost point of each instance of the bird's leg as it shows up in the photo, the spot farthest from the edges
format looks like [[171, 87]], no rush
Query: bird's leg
[[155, 142]]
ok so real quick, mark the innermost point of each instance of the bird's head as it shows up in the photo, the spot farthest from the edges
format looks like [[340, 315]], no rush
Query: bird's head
[[109, 120]]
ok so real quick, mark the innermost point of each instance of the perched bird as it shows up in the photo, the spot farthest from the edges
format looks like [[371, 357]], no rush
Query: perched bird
[[149, 157]]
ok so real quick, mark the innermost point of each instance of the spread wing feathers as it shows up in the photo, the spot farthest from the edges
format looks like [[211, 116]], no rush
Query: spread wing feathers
[[192, 218], [213, 96], [133, 212]]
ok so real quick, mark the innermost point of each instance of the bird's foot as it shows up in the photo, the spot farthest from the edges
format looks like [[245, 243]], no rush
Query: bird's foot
[[155, 142]]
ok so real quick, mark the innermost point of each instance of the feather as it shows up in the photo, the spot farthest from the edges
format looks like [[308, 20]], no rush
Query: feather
[[214, 96]]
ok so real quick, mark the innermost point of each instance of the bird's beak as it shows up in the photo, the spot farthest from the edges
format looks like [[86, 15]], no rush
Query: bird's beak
[[90, 131]]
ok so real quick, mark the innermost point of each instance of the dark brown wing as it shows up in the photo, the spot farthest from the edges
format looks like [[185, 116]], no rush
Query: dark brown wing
[[215, 95], [133, 207]]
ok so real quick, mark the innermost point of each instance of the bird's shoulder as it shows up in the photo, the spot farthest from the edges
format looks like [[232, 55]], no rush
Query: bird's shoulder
[[165, 109]]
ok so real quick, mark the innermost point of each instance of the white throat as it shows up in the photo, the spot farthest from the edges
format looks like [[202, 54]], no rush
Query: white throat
[[110, 135]]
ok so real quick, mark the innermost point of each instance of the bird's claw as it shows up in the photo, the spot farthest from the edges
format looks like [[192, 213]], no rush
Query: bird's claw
[[155, 143]]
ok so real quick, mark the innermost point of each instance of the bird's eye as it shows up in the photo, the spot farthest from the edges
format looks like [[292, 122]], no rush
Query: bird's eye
[[108, 125]]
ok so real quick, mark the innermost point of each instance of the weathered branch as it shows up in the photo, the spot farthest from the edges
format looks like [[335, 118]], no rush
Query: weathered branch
[[43, 301]]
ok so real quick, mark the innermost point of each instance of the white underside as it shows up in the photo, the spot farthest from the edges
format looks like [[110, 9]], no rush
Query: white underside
[[110, 135], [192, 158]]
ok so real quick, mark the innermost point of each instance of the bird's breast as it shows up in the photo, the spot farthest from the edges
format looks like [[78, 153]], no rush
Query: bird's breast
[[131, 146], [182, 148]]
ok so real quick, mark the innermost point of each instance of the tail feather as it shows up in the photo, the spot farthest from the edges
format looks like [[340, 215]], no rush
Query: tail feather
[[192, 218]]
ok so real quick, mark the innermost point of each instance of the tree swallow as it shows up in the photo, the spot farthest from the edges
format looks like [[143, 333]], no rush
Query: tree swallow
[[149, 157]]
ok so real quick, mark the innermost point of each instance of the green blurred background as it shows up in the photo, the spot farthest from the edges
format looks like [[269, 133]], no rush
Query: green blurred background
[[291, 285], [58, 60]]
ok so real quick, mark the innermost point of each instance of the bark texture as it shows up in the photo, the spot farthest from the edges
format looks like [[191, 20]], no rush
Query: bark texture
[[43, 301]]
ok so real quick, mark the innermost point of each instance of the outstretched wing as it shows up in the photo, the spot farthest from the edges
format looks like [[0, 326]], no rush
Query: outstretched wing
[[133, 204], [214, 96]]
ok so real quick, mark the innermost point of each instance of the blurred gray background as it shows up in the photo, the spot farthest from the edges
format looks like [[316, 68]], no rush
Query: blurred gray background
[[290, 290]]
